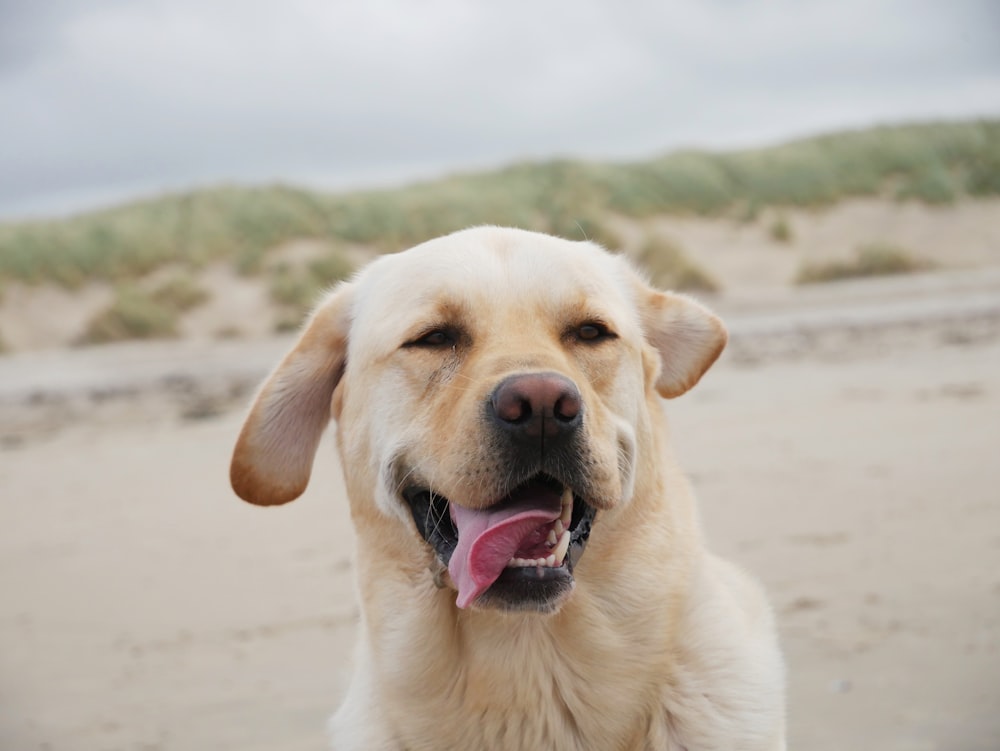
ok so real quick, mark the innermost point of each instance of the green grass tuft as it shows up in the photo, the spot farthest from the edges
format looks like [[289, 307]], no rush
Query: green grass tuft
[[298, 289], [870, 260], [134, 314], [932, 186], [179, 293], [982, 174], [137, 313], [670, 268], [780, 231]]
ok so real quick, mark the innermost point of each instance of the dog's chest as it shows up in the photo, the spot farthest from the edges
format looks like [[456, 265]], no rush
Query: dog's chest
[[547, 724], [534, 697]]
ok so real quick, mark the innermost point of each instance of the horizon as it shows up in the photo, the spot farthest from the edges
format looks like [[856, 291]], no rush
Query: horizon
[[109, 100], [95, 204]]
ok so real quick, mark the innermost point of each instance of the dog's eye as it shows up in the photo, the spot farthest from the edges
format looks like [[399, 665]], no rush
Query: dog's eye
[[434, 339], [594, 331]]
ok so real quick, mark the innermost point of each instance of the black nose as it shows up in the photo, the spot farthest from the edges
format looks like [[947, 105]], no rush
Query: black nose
[[537, 407]]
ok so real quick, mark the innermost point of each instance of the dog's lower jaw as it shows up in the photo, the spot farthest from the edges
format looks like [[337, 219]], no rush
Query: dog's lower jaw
[[515, 592], [548, 604]]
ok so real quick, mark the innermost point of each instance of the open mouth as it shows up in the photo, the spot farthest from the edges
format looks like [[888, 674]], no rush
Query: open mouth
[[518, 553]]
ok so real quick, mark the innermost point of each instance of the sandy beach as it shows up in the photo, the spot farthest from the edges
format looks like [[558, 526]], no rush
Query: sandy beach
[[845, 450]]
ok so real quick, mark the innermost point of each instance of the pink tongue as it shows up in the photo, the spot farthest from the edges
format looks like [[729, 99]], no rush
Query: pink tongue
[[488, 539]]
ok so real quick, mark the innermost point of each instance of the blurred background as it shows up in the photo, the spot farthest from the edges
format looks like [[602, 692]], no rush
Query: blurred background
[[180, 180]]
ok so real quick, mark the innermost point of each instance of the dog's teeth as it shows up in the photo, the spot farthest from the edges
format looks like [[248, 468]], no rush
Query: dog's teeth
[[557, 529], [567, 507], [560, 552], [554, 560], [552, 538]]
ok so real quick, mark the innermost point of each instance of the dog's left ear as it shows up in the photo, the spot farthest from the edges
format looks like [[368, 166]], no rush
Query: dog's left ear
[[274, 454], [686, 334]]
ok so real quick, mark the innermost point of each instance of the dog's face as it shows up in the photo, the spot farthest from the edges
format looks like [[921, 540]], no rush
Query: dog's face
[[492, 390]]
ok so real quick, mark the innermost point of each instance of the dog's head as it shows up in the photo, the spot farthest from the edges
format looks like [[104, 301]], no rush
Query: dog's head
[[493, 391]]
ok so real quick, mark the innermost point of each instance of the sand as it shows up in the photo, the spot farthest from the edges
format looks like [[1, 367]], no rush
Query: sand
[[846, 450]]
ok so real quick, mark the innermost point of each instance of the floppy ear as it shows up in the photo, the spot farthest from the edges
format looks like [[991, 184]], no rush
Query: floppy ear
[[687, 336], [274, 454]]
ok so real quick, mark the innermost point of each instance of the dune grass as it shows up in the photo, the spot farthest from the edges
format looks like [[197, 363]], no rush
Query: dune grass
[[670, 268], [134, 314], [780, 231], [869, 260], [140, 313], [297, 288], [934, 163], [180, 293]]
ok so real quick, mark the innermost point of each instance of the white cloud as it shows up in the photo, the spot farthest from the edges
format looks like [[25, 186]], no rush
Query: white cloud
[[107, 97]]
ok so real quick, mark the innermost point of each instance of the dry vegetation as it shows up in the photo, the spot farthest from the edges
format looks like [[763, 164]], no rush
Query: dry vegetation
[[932, 163], [670, 268], [243, 227], [780, 231], [140, 313], [134, 314], [179, 293], [869, 260]]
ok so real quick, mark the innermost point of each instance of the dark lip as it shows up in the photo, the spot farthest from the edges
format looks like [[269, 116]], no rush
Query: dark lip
[[432, 517]]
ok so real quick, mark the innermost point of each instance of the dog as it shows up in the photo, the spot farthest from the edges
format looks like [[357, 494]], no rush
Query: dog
[[530, 566]]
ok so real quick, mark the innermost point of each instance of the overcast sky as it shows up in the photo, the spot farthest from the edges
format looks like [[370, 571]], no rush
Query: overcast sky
[[102, 100]]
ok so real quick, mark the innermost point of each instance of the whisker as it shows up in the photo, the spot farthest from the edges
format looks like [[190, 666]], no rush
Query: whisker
[[437, 518]]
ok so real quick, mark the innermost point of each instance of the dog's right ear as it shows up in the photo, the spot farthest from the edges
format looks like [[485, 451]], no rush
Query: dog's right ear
[[274, 454]]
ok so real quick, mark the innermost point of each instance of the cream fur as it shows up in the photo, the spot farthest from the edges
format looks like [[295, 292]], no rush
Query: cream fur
[[660, 646]]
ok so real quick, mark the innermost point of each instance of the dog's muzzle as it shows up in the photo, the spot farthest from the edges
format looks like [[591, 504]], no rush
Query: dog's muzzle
[[521, 553], [518, 553]]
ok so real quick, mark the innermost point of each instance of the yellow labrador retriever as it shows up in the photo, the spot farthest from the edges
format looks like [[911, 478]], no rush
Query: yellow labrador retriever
[[530, 565]]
